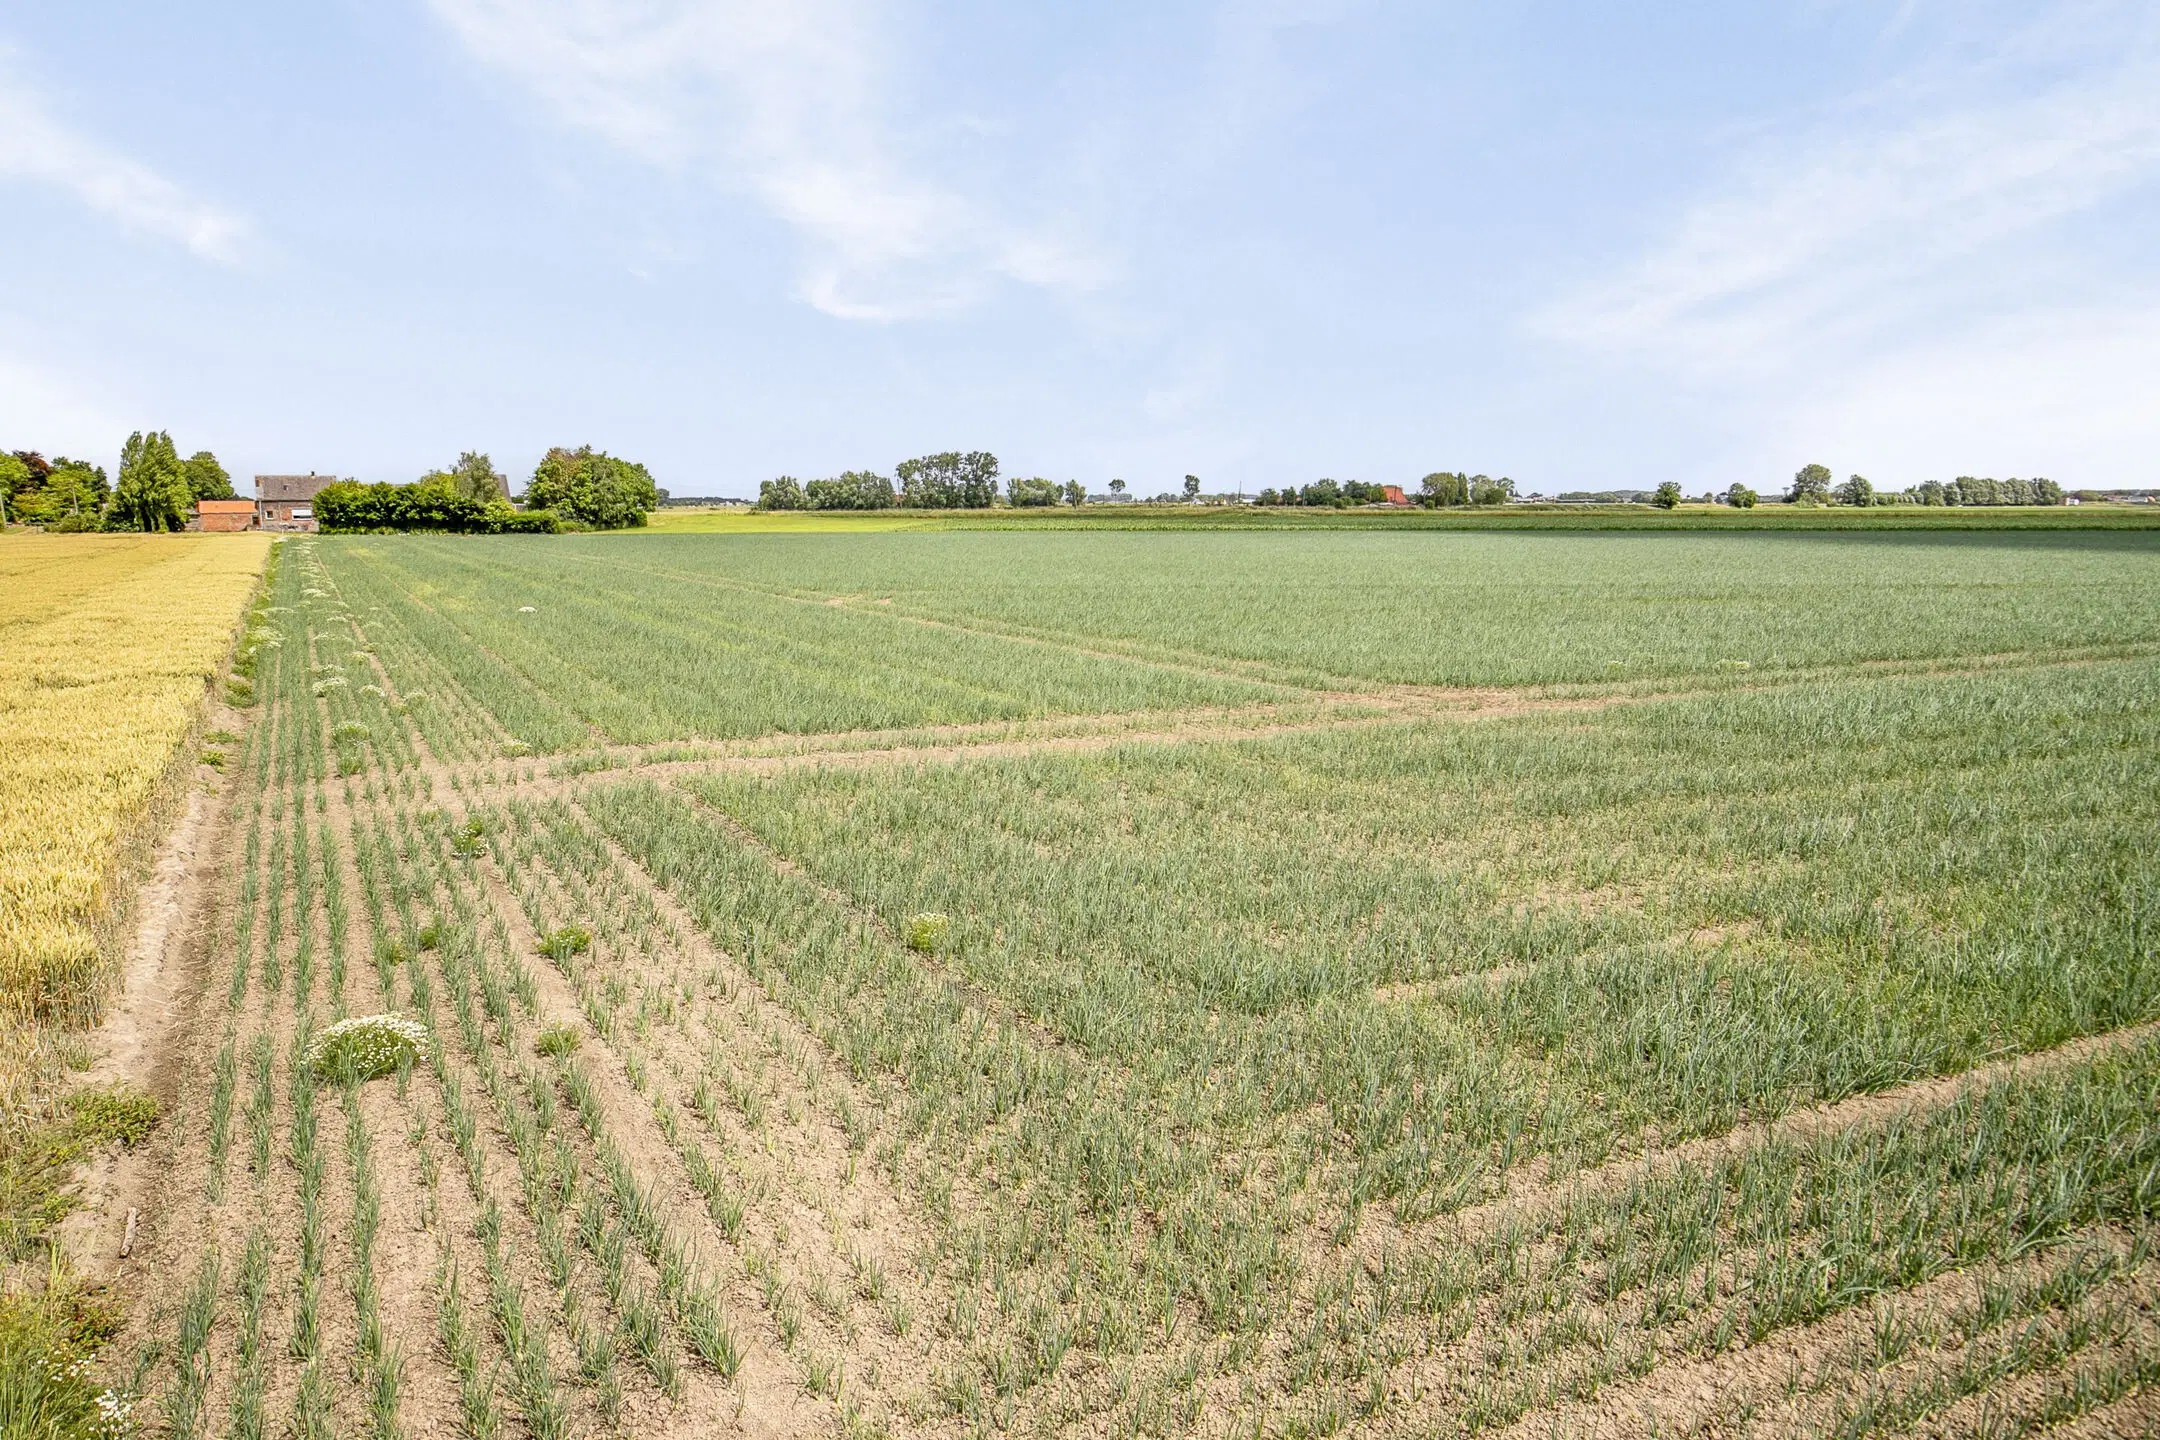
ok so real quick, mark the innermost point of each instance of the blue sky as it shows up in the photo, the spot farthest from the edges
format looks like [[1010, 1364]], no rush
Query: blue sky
[[1257, 240]]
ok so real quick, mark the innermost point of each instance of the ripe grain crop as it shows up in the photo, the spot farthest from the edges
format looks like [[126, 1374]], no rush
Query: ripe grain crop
[[110, 645], [1417, 1068]]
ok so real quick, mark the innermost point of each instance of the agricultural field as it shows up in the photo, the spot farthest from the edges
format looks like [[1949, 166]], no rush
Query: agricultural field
[[107, 644], [895, 984]]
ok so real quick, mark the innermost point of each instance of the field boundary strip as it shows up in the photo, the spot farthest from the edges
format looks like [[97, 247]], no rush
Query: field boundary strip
[[1210, 667], [1698, 1394]]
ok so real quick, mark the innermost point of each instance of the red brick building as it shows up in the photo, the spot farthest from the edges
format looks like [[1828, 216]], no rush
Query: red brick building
[[223, 515], [287, 502]]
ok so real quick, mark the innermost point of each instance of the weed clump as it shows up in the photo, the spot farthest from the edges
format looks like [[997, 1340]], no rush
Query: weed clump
[[470, 842], [927, 932], [431, 935], [556, 1041], [392, 952], [366, 1046], [122, 1112], [568, 941]]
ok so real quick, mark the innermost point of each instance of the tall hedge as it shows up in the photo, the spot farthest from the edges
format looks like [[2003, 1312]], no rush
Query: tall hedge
[[348, 507]]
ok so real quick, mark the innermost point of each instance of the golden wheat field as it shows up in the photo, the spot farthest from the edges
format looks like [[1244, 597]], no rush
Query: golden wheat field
[[106, 644]]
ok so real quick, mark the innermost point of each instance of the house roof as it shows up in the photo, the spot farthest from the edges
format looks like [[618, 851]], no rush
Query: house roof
[[225, 507], [291, 487]]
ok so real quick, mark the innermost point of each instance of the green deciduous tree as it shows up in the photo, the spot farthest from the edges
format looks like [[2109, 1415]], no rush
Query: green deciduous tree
[[1740, 497], [850, 490], [784, 493], [74, 497], [1667, 496], [1117, 487], [949, 480], [206, 479], [1810, 485], [593, 488], [151, 492], [14, 487], [1856, 491], [1444, 488], [1192, 487], [1035, 491], [474, 477], [1075, 493], [1484, 490]]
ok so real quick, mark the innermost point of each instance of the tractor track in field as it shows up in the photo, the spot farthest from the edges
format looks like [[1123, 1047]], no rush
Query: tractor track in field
[[1354, 711], [1531, 1194]]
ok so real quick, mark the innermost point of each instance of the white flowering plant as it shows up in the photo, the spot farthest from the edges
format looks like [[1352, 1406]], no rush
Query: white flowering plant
[[369, 1045]]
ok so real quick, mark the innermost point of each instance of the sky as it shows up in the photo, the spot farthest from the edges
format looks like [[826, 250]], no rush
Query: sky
[[1262, 241]]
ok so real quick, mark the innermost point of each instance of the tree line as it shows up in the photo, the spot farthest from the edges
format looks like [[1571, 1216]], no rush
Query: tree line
[[154, 490], [949, 480], [581, 489], [1816, 485]]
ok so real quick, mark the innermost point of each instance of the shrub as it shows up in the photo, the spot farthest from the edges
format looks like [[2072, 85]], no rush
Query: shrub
[[927, 932], [366, 1045], [434, 504], [556, 1041]]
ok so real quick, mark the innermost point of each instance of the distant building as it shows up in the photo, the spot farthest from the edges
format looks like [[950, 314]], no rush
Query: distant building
[[1394, 495], [223, 515], [287, 502]]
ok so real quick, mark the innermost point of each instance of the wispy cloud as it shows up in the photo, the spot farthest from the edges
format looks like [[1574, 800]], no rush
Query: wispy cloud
[[36, 144], [1906, 199], [790, 103]]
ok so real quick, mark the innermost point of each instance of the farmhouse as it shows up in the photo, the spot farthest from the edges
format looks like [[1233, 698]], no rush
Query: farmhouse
[[223, 515], [287, 502]]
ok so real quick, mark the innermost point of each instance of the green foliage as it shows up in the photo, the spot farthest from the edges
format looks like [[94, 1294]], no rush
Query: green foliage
[[1810, 486], [1192, 487], [121, 1112], [470, 841], [927, 932], [15, 485], [435, 504], [785, 493], [950, 480], [556, 1041], [48, 1383], [365, 1047], [152, 491], [1075, 493], [566, 941], [474, 477], [593, 488], [1442, 488], [206, 479], [1667, 496], [1036, 491], [1740, 497], [853, 490], [1484, 490], [1856, 491]]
